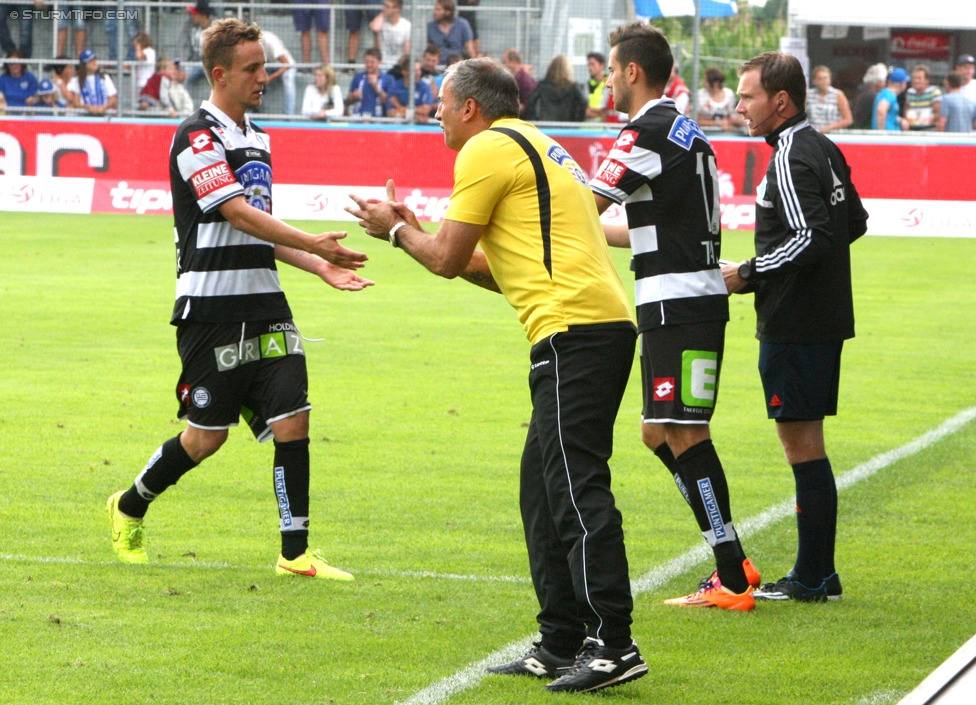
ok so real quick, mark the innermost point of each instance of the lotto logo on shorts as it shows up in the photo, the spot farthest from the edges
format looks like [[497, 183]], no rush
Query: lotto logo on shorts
[[211, 178], [201, 141], [610, 172], [699, 378], [664, 389]]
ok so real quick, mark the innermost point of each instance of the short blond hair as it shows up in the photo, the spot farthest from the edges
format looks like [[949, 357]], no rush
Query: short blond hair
[[220, 42]]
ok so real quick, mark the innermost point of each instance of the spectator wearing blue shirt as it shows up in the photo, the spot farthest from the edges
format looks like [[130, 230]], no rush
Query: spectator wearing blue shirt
[[18, 85], [452, 35], [885, 115], [398, 103], [370, 89], [957, 112]]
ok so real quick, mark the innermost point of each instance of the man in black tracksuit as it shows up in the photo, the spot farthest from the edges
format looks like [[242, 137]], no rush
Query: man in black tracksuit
[[807, 214]]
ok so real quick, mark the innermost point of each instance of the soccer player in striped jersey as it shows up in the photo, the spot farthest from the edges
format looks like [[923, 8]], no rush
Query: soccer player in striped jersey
[[242, 354], [662, 168], [807, 214]]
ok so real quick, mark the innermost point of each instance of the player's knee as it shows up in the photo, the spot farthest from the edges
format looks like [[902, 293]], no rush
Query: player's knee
[[200, 444]]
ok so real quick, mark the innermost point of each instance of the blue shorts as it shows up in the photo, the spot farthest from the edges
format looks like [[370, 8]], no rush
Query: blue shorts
[[256, 372], [801, 382], [303, 17], [354, 18]]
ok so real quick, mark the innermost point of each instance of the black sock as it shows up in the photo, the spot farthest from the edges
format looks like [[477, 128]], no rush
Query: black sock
[[167, 465], [708, 494], [291, 479], [664, 454], [816, 521]]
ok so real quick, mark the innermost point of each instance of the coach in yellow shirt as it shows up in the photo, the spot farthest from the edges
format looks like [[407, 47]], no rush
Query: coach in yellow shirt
[[525, 200]]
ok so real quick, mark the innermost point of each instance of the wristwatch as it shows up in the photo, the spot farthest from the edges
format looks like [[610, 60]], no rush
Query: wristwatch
[[393, 232], [745, 271]]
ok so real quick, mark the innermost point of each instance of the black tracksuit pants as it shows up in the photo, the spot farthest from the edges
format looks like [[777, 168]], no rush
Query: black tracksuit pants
[[572, 526]]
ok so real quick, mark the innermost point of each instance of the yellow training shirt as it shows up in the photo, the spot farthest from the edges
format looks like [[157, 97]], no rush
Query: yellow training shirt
[[553, 279]]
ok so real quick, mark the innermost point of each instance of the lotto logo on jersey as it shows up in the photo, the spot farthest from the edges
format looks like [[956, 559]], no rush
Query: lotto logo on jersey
[[611, 172], [201, 141], [664, 389], [210, 179], [626, 140]]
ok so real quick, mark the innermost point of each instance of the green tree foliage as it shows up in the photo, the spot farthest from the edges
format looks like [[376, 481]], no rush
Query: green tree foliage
[[726, 42]]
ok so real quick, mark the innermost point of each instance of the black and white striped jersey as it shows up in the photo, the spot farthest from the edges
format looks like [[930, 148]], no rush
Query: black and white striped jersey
[[807, 214], [223, 275], [662, 168]]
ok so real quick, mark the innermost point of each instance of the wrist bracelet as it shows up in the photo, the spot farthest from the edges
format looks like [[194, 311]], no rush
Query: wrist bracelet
[[393, 232]]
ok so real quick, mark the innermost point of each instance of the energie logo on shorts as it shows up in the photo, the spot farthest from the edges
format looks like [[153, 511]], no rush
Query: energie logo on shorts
[[699, 378]]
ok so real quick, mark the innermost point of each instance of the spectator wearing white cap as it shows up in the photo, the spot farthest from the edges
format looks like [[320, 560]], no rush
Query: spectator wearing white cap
[[886, 115], [966, 66], [90, 89], [862, 107]]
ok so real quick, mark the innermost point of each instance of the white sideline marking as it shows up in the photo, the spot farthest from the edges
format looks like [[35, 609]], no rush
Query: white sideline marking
[[656, 577], [11, 558]]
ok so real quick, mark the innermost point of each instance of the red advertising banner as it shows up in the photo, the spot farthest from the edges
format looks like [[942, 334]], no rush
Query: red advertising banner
[[317, 166], [931, 46]]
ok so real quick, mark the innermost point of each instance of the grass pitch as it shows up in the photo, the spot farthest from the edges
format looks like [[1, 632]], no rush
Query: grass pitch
[[420, 405]]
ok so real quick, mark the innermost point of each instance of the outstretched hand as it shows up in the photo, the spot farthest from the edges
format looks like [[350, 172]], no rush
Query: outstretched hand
[[378, 217], [343, 279], [328, 247]]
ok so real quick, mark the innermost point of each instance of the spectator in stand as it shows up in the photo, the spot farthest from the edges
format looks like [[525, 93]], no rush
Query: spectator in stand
[[112, 38], [72, 16], [716, 103], [354, 23], [371, 88], [63, 70], [18, 85], [886, 116], [430, 69], [862, 109], [92, 90], [678, 91], [156, 93], [526, 84], [302, 19], [922, 101], [398, 104], [966, 66], [451, 34], [323, 97], [557, 98], [276, 52], [191, 41], [827, 107], [26, 45], [957, 112], [178, 94], [596, 86], [392, 32], [145, 57], [3, 104], [472, 18], [47, 97]]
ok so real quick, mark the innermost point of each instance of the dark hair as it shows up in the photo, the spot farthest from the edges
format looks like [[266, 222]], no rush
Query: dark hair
[[779, 72], [714, 75], [598, 56], [374, 52], [646, 46], [432, 49], [488, 83], [954, 79], [220, 42], [15, 54], [448, 6]]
